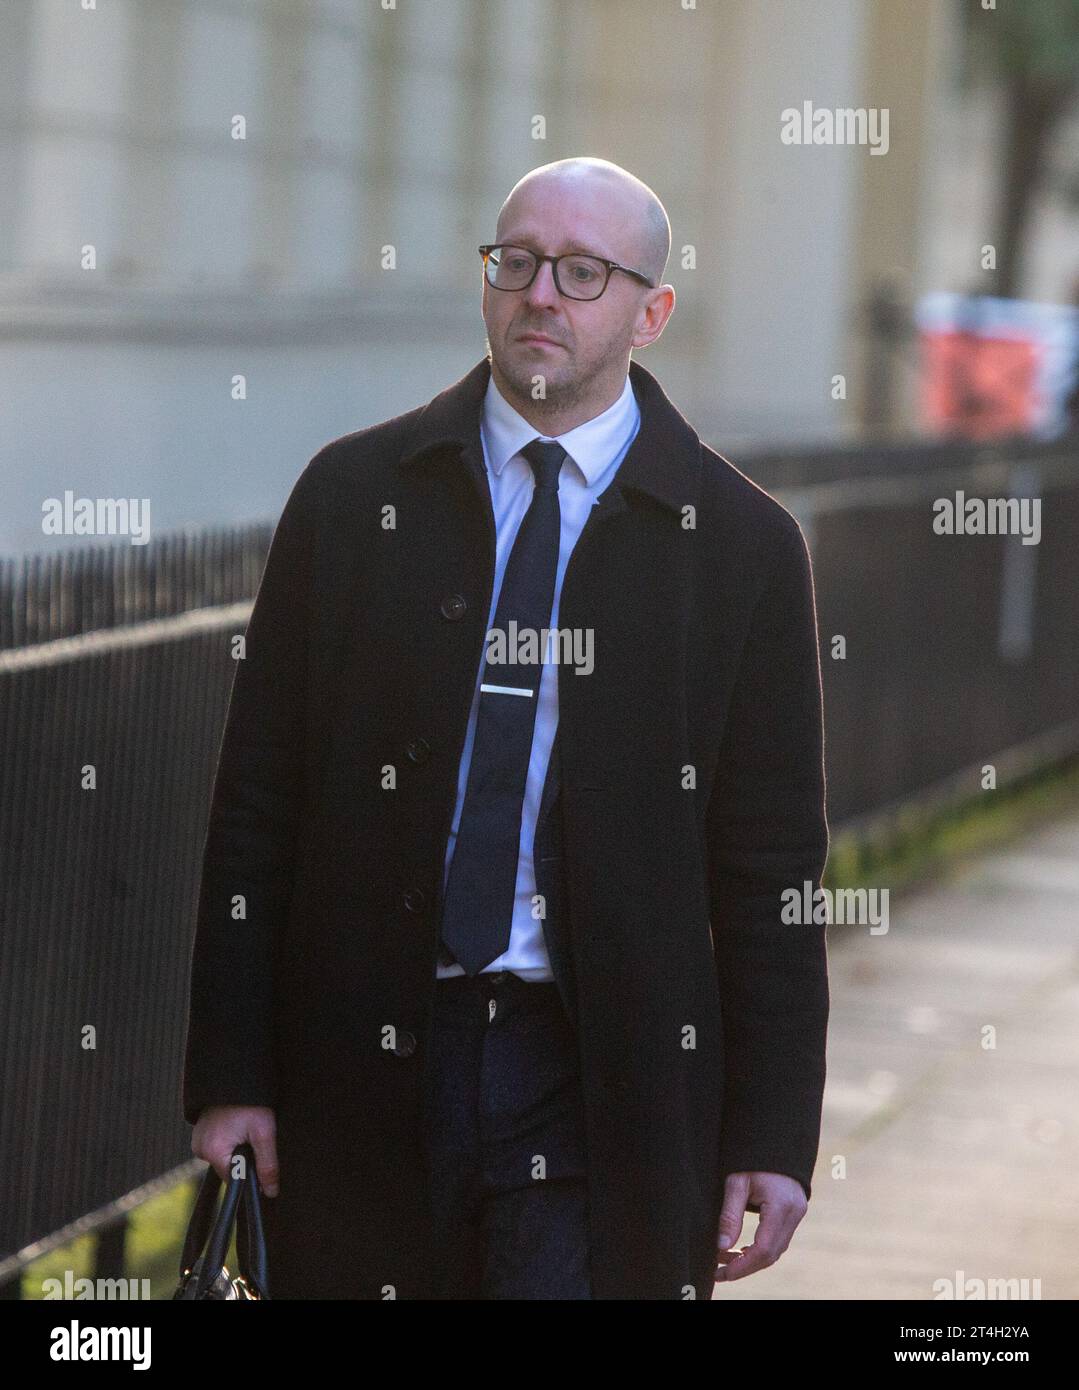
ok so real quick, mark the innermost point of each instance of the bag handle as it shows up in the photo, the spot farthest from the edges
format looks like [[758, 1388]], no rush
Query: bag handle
[[202, 1217], [251, 1238], [212, 1235]]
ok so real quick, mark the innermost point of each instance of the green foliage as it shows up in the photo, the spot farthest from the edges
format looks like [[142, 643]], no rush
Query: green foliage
[[1035, 42], [918, 845], [155, 1237]]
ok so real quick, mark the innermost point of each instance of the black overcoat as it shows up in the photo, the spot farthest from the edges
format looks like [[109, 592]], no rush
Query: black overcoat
[[690, 795]]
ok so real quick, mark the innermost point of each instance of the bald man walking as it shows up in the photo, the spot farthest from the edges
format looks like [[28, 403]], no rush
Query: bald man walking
[[524, 751]]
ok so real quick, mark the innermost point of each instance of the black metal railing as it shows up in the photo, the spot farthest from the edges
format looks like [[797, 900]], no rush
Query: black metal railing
[[62, 594], [939, 652], [110, 723]]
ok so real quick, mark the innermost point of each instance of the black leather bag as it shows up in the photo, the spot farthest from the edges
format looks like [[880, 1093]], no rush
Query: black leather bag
[[202, 1264]]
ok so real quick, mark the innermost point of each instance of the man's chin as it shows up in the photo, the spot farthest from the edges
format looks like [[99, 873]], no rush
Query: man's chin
[[522, 364]]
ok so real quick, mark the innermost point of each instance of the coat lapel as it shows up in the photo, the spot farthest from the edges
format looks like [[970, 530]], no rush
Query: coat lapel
[[662, 463]]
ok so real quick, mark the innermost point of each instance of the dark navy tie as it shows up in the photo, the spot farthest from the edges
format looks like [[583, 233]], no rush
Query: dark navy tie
[[477, 909]]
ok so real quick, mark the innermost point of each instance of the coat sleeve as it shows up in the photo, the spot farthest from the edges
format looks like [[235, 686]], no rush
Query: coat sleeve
[[249, 849], [767, 832]]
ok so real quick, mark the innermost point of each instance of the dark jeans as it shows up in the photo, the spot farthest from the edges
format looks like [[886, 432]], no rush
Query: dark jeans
[[506, 1142]]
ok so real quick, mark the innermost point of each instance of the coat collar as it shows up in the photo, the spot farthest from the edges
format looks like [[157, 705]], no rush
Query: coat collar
[[663, 461]]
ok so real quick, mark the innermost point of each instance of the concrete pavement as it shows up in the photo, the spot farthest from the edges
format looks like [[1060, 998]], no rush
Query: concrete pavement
[[950, 1147]]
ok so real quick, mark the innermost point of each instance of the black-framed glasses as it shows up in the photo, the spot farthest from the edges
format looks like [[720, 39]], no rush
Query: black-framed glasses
[[509, 267]]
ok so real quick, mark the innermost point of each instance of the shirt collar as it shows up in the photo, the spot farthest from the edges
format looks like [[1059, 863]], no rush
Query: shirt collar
[[591, 446]]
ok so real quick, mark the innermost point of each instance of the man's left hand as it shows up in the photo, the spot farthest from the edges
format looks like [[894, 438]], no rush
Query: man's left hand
[[782, 1203]]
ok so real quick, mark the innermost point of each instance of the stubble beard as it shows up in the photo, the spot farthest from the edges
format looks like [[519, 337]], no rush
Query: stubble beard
[[560, 395]]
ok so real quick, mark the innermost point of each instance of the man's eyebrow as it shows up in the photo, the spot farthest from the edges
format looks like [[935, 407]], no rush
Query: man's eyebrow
[[575, 248]]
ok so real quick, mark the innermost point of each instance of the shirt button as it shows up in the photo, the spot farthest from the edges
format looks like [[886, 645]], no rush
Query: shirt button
[[453, 607], [414, 899], [419, 750]]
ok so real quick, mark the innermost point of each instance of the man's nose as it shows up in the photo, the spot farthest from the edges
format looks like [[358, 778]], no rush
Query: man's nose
[[543, 290]]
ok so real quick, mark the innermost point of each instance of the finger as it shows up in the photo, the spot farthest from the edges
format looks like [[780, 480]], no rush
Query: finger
[[747, 1261], [220, 1160], [773, 1234], [264, 1143], [733, 1211], [726, 1258], [778, 1223]]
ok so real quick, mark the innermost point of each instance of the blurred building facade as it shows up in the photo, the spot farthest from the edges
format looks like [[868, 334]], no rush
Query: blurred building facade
[[150, 259]]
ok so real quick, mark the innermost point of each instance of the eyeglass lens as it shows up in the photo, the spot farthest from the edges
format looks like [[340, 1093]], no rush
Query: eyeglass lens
[[512, 267]]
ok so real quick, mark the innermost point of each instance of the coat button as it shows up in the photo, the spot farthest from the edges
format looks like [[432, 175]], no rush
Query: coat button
[[419, 750], [406, 1044], [414, 899], [453, 607]]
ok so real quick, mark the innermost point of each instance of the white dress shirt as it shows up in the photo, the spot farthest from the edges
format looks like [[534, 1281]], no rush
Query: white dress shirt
[[595, 450]]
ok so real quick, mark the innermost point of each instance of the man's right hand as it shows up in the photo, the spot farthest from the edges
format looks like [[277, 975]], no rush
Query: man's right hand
[[219, 1128]]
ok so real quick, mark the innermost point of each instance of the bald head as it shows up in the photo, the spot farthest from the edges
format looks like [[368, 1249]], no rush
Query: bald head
[[626, 212], [578, 347]]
